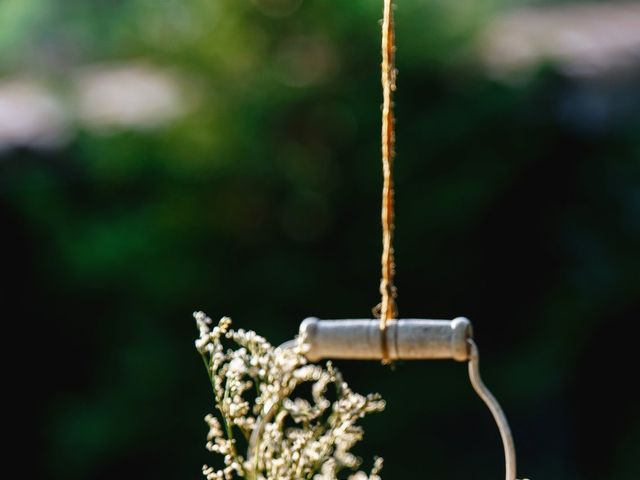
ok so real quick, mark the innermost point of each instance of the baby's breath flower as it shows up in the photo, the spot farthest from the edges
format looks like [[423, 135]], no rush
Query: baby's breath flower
[[316, 447]]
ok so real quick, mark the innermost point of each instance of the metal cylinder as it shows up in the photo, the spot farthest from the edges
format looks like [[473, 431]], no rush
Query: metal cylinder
[[407, 339]]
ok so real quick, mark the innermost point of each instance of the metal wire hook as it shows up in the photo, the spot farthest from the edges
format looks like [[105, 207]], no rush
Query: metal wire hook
[[496, 410], [319, 334]]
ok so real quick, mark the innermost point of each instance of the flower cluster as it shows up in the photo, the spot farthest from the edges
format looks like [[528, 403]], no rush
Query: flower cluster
[[257, 390]]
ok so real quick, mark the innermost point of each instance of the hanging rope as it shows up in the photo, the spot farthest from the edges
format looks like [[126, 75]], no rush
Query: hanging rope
[[387, 309]]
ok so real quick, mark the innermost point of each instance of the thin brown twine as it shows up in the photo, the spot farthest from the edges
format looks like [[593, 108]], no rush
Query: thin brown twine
[[387, 309]]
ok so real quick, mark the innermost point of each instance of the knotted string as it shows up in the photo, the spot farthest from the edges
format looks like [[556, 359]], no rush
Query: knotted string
[[387, 309]]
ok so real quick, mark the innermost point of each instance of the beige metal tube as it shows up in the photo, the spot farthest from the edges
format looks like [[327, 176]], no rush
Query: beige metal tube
[[407, 339]]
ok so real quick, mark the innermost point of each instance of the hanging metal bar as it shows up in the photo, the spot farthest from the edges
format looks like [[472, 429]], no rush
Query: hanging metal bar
[[407, 339]]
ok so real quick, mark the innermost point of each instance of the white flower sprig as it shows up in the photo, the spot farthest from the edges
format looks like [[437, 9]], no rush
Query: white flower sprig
[[256, 394]]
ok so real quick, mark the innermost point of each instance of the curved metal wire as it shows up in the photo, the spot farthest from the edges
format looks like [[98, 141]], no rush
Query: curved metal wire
[[497, 412], [477, 384]]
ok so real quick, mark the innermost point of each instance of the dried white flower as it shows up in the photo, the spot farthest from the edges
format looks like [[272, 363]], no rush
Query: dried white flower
[[257, 390]]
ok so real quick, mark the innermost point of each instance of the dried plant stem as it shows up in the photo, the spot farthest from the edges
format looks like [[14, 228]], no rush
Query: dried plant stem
[[289, 435]]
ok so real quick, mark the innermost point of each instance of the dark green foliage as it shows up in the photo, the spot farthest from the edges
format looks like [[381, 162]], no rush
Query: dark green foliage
[[263, 204]]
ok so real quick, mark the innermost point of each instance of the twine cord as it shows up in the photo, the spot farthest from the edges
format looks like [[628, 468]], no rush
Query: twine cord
[[387, 309]]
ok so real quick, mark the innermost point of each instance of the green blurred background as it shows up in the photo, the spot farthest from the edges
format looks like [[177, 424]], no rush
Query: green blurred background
[[163, 156]]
